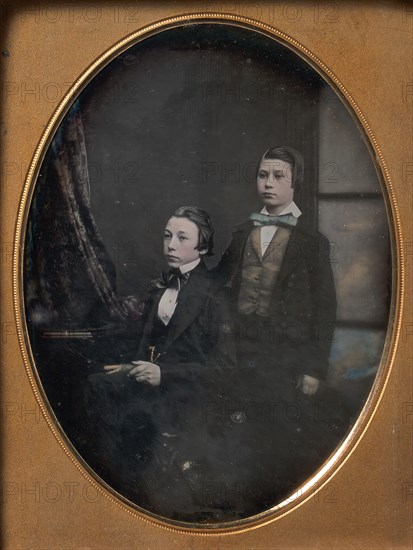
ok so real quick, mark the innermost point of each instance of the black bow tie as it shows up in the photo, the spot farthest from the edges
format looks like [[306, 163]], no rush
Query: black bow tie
[[174, 278]]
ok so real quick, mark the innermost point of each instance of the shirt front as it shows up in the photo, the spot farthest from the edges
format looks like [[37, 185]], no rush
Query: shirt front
[[169, 299], [268, 231]]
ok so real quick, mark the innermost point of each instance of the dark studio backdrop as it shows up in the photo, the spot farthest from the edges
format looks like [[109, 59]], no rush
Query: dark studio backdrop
[[183, 118]]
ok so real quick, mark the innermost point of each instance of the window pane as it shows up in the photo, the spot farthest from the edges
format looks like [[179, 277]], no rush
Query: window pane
[[360, 257], [345, 165]]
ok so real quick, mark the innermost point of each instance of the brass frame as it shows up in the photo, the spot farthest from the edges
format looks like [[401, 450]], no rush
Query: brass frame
[[342, 455]]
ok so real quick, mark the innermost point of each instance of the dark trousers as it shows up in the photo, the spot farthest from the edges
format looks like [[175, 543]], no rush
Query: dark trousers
[[122, 434], [136, 445], [279, 436]]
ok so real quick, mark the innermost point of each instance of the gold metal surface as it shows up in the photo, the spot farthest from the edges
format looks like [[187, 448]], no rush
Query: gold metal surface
[[297, 522]]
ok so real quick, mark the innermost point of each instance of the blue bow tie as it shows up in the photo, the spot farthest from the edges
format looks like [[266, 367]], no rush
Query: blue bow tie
[[284, 220]]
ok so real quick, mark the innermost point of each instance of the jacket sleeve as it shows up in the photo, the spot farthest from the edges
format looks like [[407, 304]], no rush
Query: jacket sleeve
[[324, 309], [215, 358], [229, 263]]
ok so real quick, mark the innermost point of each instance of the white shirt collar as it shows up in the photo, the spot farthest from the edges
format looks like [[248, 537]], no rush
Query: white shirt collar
[[291, 208], [189, 267]]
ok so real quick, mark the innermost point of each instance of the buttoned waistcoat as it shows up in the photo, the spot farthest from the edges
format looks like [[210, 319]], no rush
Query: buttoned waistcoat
[[302, 302]]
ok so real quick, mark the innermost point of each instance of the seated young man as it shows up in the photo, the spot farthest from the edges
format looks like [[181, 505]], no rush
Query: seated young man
[[145, 417]]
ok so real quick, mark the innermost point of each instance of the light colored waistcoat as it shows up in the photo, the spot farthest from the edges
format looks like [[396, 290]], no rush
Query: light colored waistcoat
[[259, 273]]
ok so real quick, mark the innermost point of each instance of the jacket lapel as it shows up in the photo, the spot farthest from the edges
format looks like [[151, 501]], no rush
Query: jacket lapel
[[294, 253], [256, 242], [191, 301], [241, 235], [148, 320]]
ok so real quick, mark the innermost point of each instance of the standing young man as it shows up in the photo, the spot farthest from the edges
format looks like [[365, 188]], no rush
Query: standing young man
[[284, 311]]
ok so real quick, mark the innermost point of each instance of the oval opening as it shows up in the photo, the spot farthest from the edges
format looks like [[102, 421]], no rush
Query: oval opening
[[250, 371]]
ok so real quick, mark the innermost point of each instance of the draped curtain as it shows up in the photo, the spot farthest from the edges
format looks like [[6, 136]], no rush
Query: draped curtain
[[70, 279]]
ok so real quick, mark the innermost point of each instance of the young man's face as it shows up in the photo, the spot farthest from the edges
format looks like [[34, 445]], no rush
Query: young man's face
[[180, 242], [274, 184]]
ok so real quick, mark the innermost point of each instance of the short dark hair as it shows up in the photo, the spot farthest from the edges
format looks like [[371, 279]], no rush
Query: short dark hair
[[202, 220], [293, 157]]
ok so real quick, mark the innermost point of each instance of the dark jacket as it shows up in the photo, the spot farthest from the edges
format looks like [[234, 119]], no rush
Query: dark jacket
[[303, 302], [128, 420], [193, 338]]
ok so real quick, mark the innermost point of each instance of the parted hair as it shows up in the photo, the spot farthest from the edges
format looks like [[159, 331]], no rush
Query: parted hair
[[202, 220], [293, 157]]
